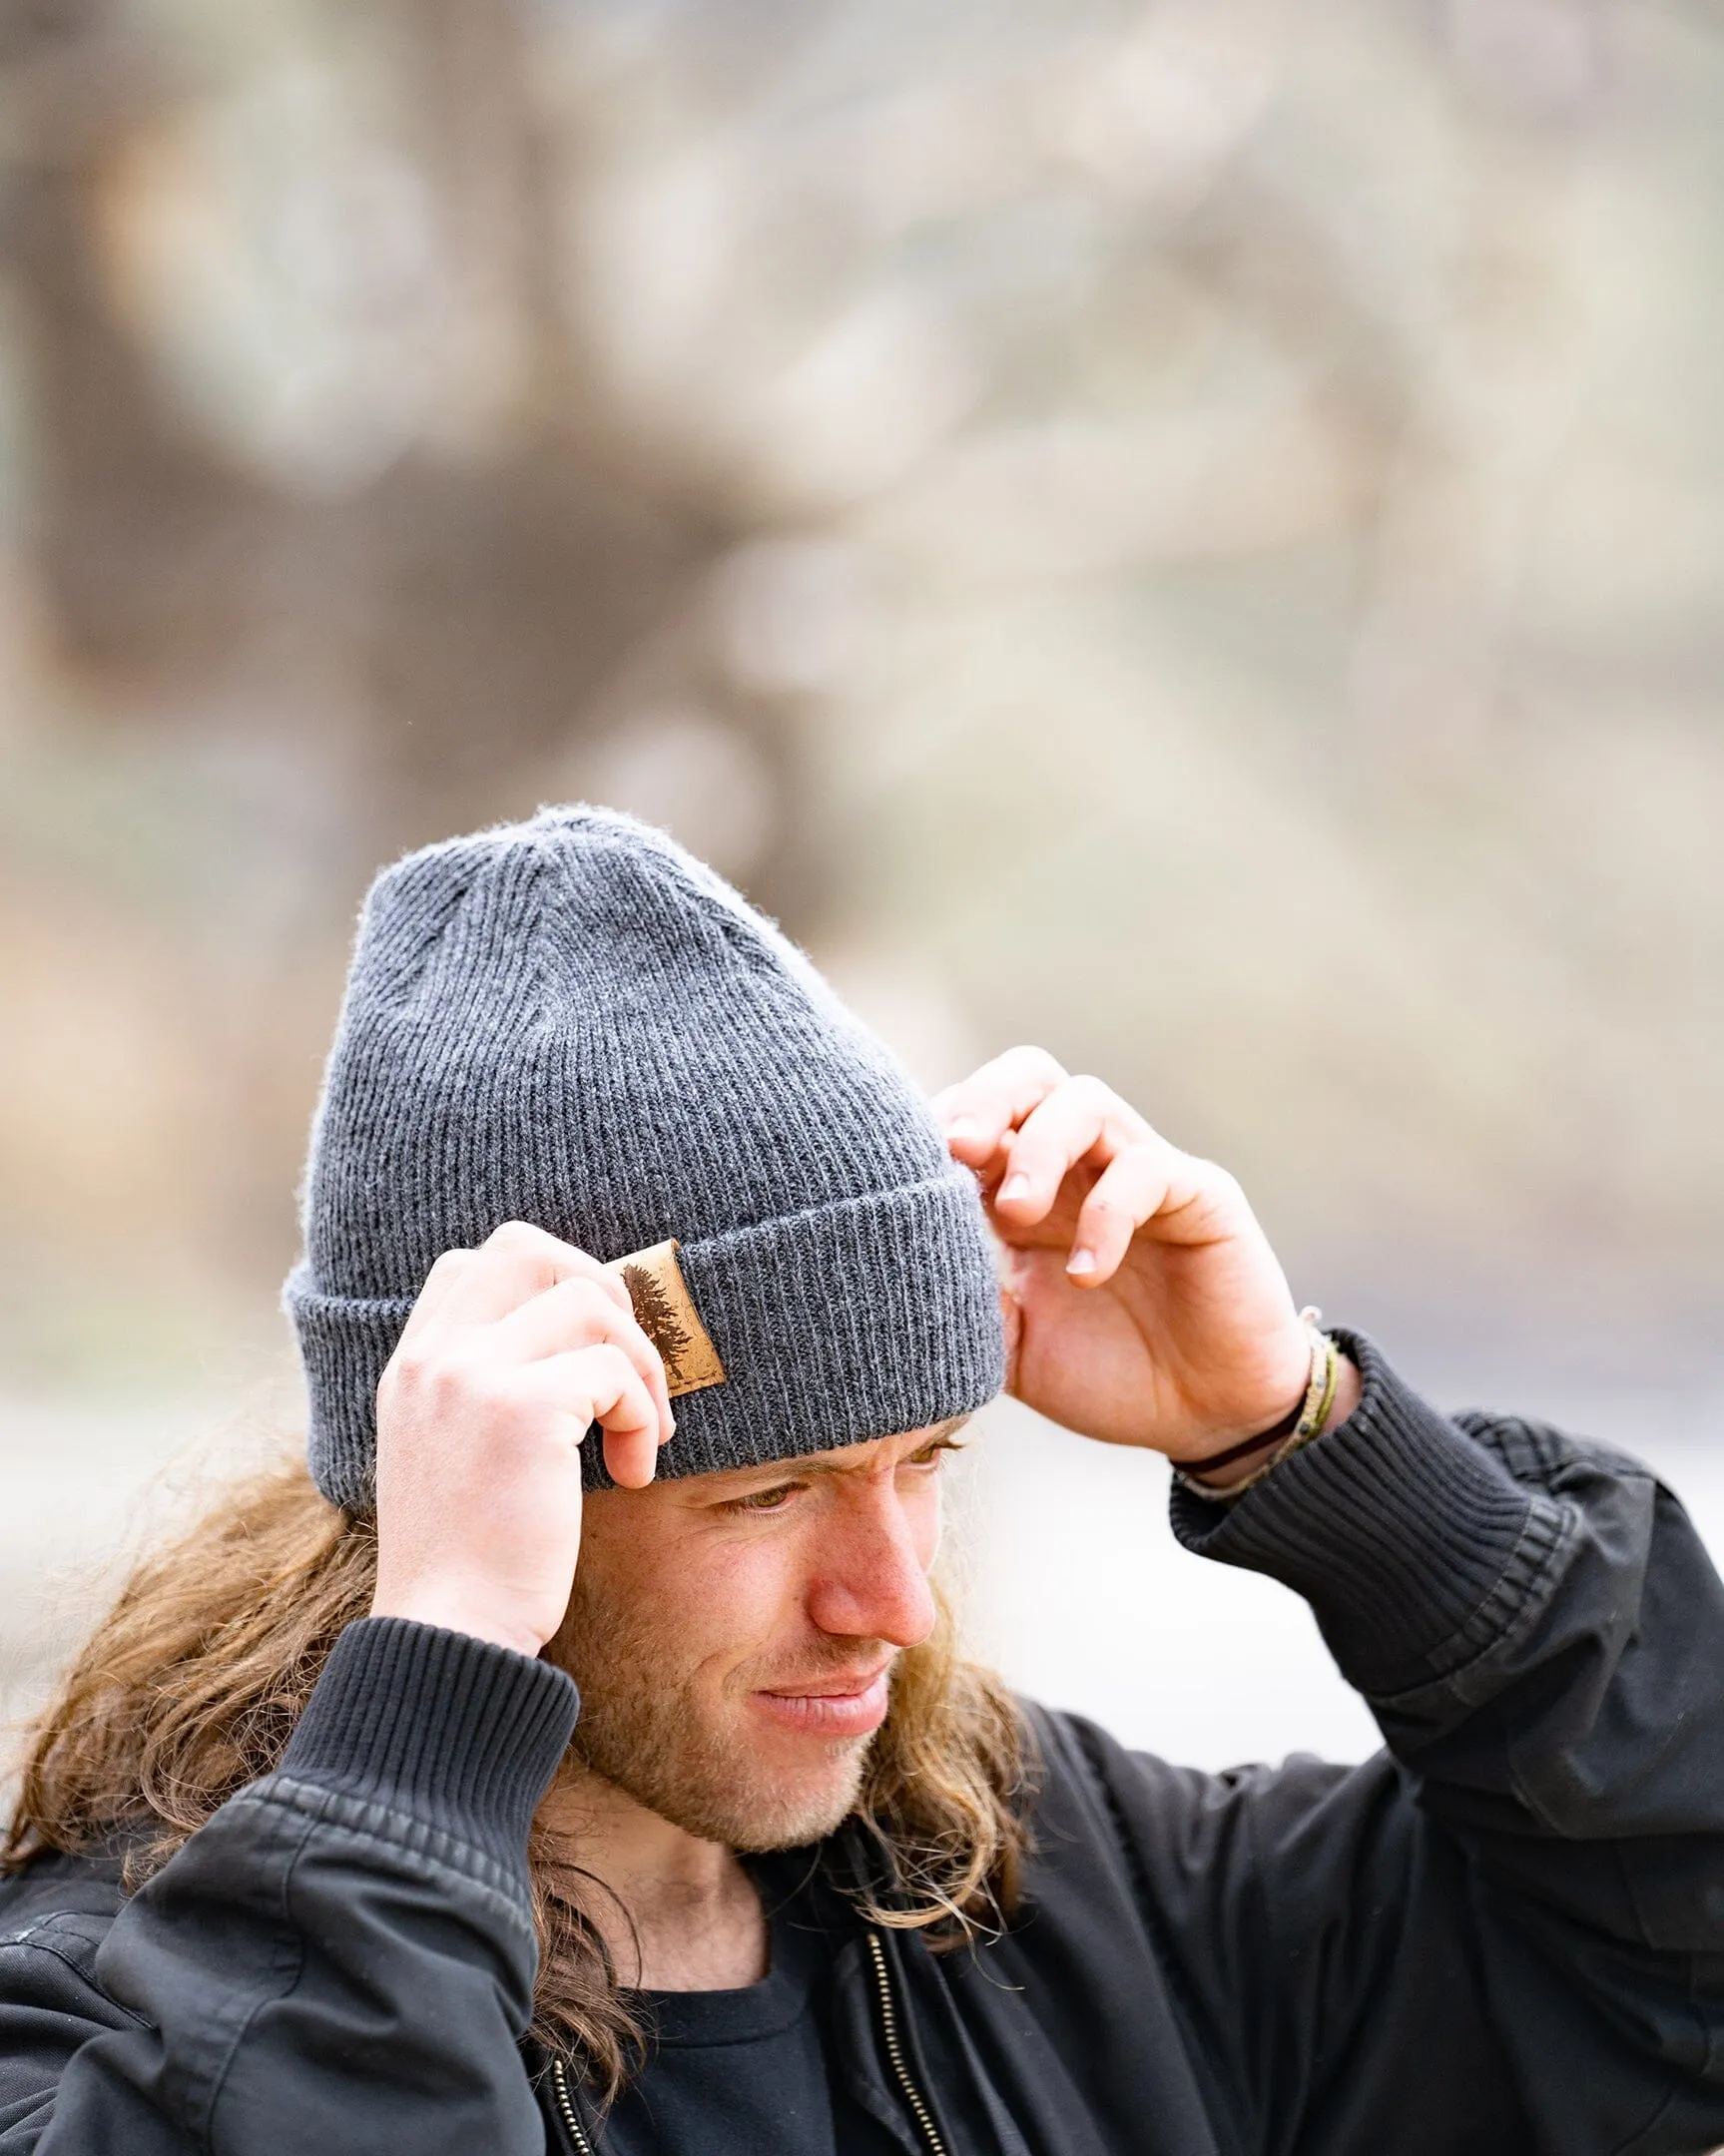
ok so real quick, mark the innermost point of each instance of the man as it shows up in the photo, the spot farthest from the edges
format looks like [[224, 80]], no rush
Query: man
[[641, 1301]]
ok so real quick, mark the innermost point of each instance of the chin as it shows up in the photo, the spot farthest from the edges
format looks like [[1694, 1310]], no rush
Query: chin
[[713, 1768], [757, 1813]]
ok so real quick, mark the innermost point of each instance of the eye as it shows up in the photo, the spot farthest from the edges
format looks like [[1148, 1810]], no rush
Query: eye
[[929, 1455], [766, 1500]]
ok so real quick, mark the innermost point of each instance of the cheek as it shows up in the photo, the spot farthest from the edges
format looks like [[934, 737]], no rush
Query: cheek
[[924, 1518], [738, 1601]]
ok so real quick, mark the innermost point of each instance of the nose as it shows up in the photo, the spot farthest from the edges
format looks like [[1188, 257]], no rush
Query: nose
[[871, 1582]]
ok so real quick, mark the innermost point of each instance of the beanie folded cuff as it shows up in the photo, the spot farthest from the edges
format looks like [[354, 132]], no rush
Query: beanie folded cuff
[[851, 1320], [346, 1342]]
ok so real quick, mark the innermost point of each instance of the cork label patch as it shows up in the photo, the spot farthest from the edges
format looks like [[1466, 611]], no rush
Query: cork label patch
[[667, 1316]]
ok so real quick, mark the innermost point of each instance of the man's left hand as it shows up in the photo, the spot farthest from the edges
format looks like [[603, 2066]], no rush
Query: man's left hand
[[1143, 1303]]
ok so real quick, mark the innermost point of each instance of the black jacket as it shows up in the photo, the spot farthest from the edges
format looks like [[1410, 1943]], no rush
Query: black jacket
[[1504, 1935]]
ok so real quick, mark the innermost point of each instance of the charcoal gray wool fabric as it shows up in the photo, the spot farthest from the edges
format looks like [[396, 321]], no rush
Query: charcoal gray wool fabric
[[571, 1021]]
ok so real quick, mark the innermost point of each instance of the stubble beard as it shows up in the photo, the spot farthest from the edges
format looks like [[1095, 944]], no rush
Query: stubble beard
[[645, 1729]]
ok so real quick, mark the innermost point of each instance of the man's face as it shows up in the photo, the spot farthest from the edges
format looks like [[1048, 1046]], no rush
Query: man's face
[[734, 1635]]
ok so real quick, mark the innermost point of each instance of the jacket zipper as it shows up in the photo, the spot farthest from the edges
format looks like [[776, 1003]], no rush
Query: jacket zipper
[[566, 2105], [895, 2051]]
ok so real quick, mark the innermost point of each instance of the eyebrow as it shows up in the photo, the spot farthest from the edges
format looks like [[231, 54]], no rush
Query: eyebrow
[[834, 1463]]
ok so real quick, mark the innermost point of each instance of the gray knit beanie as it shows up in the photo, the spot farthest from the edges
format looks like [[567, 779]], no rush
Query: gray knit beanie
[[570, 1021]]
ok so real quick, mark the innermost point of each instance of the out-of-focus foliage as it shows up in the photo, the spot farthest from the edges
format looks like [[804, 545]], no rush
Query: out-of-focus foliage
[[1189, 531]]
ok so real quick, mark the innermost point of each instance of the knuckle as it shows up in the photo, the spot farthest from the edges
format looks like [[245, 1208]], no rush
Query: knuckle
[[632, 1349], [451, 1386], [614, 1369], [1033, 1061], [407, 1370], [598, 1309], [433, 1380], [515, 1235], [1213, 1180]]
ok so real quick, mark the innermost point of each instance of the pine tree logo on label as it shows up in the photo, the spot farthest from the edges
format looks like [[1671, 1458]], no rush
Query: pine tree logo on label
[[657, 1317], [667, 1317]]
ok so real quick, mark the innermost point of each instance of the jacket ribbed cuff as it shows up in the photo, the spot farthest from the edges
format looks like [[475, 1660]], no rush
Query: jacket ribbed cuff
[[453, 1730], [1406, 1535]]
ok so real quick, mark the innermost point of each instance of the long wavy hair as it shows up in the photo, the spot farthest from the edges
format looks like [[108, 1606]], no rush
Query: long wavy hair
[[191, 1685]]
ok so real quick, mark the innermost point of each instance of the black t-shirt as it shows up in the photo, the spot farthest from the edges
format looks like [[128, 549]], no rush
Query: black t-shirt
[[745, 2072]]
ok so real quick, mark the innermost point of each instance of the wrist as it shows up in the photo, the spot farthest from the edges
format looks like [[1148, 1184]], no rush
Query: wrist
[[1232, 1469], [1349, 1391], [444, 1729], [450, 1607]]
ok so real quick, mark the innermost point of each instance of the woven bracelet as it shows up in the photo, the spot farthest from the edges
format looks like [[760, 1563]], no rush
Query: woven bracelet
[[1298, 1426]]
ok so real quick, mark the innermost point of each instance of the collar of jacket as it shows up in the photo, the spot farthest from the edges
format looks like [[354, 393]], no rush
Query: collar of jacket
[[899, 2042]]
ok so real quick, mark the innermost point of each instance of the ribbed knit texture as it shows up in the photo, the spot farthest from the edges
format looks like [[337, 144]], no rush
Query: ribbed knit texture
[[449, 1730], [1403, 1532], [570, 1021]]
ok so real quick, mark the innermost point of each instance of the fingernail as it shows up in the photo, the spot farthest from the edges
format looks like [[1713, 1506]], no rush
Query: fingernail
[[963, 1126], [1014, 1186], [1081, 1262]]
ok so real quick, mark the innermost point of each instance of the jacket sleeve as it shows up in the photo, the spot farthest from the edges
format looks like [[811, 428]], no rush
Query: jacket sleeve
[[342, 1957], [1508, 1932]]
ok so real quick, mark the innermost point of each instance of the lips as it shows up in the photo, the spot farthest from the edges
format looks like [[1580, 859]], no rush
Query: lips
[[850, 1706]]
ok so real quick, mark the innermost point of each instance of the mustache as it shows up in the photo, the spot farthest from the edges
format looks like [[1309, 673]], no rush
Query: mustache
[[820, 1661]]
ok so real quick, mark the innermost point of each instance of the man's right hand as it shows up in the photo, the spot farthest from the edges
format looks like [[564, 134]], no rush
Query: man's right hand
[[512, 1352]]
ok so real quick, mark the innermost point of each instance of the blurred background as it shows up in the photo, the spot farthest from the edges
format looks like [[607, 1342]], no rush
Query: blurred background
[[1191, 533]]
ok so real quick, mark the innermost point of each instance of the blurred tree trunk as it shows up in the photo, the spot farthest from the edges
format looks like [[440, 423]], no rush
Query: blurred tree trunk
[[476, 599], [446, 645]]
